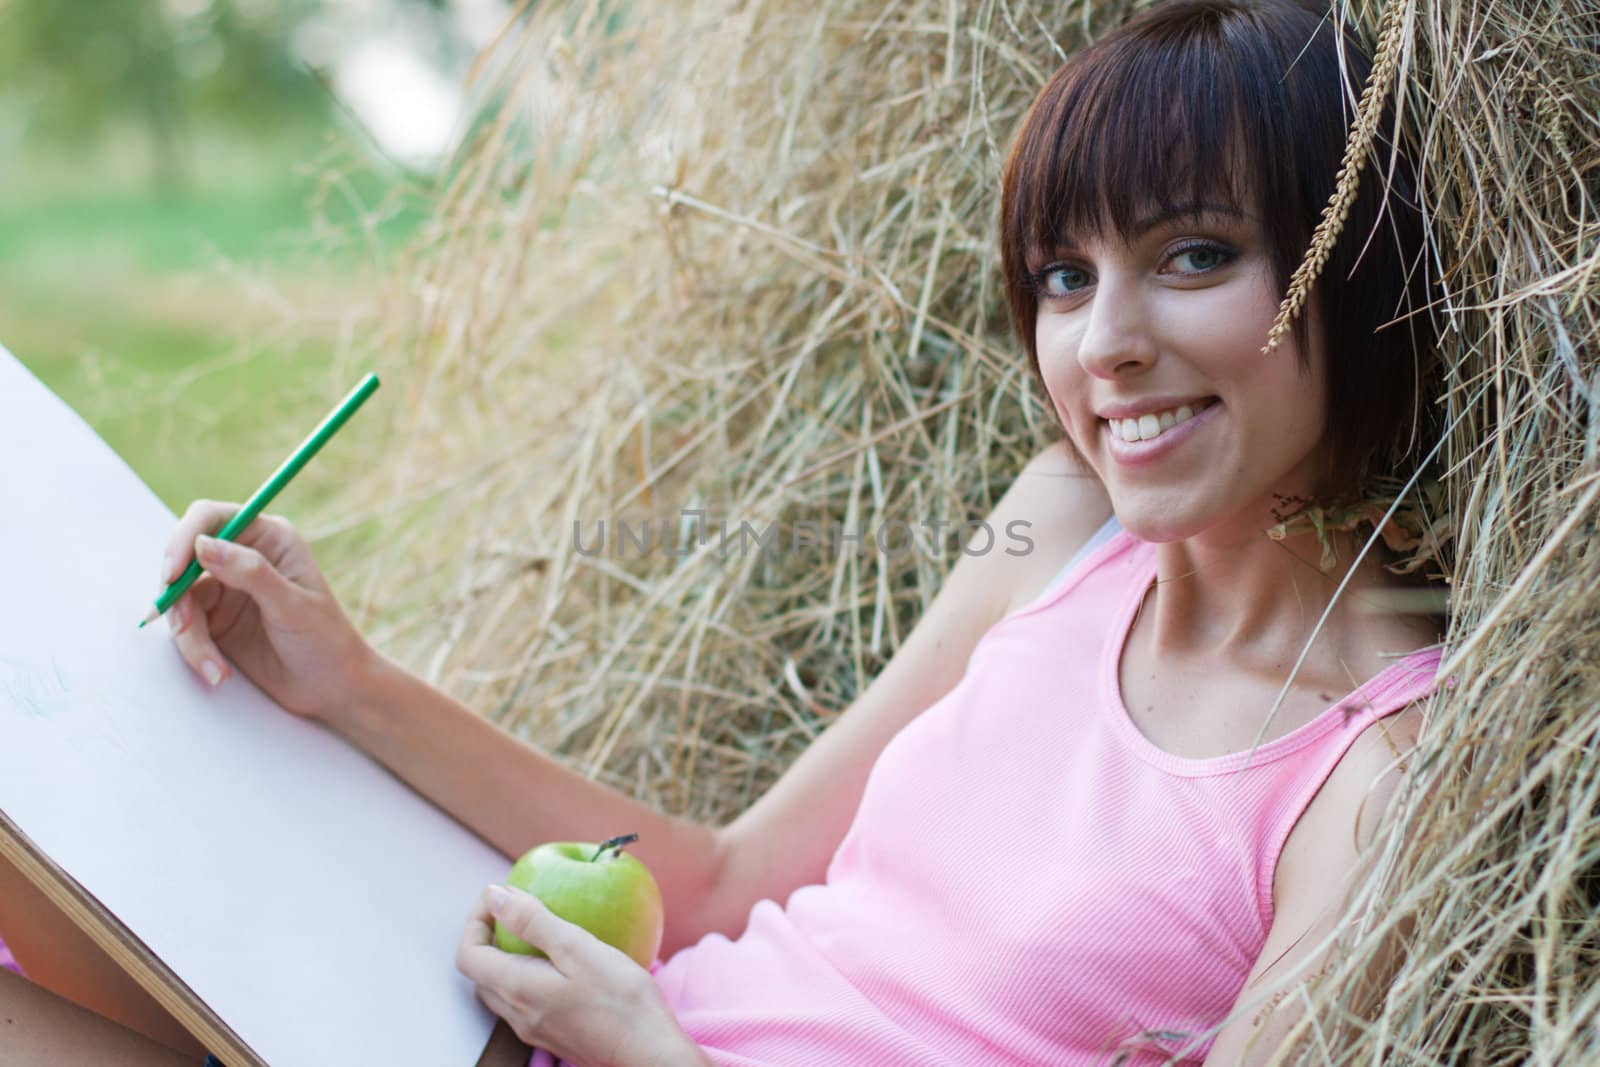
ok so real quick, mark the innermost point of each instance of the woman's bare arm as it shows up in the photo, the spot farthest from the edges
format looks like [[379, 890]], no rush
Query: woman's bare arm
[[515, 796], [786, 839]]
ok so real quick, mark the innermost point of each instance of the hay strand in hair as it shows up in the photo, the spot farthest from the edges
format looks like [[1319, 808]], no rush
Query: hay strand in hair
[[1377, 90]]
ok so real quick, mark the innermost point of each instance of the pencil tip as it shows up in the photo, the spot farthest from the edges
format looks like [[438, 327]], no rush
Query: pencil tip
[[153, 613]]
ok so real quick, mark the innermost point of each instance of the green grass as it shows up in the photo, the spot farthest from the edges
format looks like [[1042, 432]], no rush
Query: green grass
[[150, 229], [130, 300], [176, 400], [280, 201]]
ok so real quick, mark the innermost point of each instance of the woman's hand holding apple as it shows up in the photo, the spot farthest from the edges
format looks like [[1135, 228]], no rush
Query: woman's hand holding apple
[[584, 1002], [263, 604]]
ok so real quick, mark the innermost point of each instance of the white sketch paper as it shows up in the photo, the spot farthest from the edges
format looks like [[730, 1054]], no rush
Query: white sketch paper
[[312, 899]]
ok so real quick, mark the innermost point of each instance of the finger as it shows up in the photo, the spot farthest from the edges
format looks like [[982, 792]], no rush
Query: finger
[[269, 529], [246, 569], [202, 516], [277, 539], [478, 933], [209, 516], [476, 955], [192, 633], [270, 535], [205, 594], [511, 975], [526, 916], [478, 958]]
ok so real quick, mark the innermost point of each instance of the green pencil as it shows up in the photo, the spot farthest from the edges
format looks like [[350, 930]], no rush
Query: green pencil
[[263, 496]]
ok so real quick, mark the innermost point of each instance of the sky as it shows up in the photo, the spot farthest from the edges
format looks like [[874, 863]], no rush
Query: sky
[[399, 67]]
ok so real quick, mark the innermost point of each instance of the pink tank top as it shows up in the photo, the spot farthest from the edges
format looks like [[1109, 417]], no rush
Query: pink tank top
[[1028, 880]]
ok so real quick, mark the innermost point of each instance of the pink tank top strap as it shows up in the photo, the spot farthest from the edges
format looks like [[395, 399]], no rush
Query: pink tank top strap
[[1395, 688]]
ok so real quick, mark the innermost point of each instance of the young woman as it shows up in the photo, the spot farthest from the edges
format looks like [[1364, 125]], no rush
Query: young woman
[[1060, 826]]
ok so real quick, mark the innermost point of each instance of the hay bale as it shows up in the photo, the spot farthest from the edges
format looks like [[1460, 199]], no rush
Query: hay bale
[[741, 258], [738, 262]]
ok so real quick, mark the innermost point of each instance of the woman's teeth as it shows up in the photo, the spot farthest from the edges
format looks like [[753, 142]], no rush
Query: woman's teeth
[[1153, 425]]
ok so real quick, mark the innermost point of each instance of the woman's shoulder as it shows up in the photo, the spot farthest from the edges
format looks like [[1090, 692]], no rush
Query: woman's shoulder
[[1063, 504], [1404, 642]]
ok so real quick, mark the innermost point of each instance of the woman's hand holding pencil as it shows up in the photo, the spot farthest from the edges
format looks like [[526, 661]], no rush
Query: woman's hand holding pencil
[[264, 604], [243, 585]]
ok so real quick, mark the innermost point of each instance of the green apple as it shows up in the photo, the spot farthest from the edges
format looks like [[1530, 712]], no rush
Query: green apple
[[599, 887]]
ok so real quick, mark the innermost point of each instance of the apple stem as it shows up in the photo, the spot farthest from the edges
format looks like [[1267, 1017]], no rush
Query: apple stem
[[616, 843]]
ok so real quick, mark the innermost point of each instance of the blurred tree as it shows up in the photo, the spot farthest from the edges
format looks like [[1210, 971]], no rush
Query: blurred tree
[[71, 68]]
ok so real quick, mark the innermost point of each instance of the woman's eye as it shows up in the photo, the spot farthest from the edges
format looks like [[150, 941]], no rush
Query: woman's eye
[[1204, 257], [1059, 281]]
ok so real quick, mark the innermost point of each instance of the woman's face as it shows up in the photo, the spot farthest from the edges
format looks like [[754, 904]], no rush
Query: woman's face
[[1160, 340]]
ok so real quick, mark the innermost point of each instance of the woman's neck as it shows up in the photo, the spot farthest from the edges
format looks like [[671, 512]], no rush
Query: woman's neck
[[1234, 593]]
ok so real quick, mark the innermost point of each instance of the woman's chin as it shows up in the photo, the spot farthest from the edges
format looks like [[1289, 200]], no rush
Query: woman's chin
[[1157, 524]]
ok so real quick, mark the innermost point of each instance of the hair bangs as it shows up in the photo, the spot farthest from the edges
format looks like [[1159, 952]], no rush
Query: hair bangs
[[1132, 139]]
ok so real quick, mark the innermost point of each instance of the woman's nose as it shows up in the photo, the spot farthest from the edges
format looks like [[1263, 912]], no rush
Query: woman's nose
[[1116, 336]]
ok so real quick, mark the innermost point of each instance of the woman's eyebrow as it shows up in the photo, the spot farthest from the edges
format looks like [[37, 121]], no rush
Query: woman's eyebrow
[[1194, 210]]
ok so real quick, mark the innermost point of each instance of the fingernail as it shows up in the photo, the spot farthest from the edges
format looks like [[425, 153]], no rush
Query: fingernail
[[212, 672], [498, 896], [216, 550], [166, 568], [175, 617]]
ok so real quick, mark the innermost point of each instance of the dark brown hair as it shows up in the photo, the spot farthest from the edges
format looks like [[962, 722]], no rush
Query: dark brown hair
[[1219, 100]]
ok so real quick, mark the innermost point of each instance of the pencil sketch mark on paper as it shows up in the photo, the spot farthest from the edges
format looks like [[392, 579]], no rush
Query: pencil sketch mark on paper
[[38, 693], [45, 691]]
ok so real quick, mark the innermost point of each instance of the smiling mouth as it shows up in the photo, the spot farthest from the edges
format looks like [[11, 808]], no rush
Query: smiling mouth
[[1152, 426]]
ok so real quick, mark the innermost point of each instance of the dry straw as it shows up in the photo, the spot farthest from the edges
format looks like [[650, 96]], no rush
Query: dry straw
[[741, 257]]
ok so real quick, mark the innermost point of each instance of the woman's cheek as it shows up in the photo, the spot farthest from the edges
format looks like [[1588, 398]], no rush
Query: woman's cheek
[[1062, 406], [1055, 357]]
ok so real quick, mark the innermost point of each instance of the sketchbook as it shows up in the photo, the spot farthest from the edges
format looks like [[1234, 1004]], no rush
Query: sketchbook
[[284, 895]]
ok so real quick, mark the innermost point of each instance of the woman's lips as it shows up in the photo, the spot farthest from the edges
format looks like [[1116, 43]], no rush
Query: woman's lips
[[1142, 453]]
